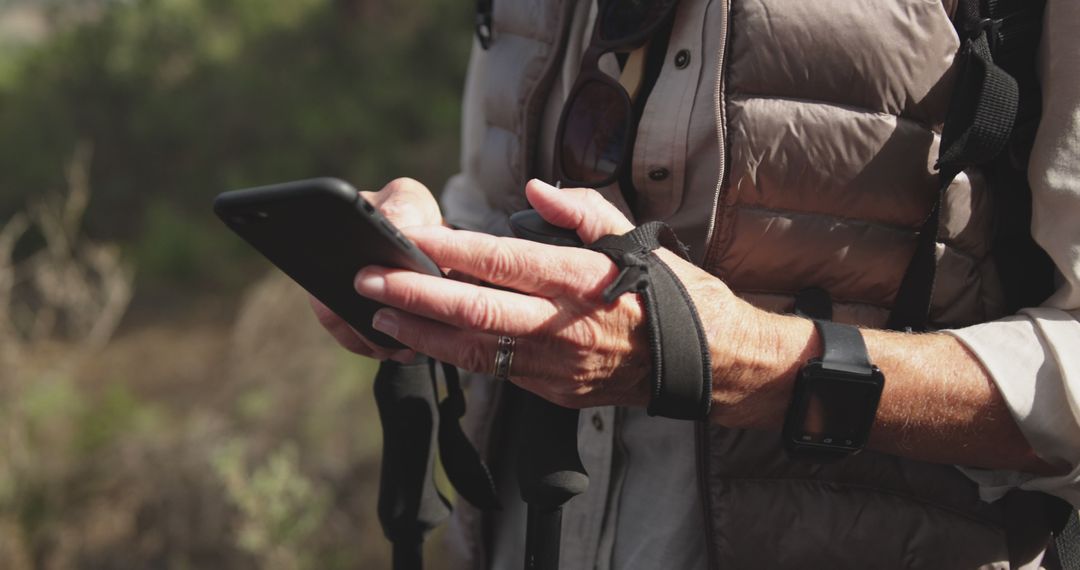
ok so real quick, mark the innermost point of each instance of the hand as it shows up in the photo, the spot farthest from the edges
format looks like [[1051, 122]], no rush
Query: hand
[[938, 404], [572, 349], [405, 202]]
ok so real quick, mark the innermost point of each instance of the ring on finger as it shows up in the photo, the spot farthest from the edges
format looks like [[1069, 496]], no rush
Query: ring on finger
[[504, 357]]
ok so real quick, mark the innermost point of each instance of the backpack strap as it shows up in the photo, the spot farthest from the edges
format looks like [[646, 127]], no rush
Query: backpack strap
[[978, 125], [1026, 272], [991, 122]]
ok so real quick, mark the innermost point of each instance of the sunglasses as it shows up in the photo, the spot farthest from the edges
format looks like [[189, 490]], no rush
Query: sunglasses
[[596, 129]]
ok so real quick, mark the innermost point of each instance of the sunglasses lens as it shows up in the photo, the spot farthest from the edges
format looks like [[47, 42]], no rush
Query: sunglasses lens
[[594, 133], [625, 18]]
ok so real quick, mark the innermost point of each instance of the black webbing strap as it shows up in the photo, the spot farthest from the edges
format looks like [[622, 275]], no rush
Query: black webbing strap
[[681, 369], [1025, 270], [1067, 542], [464, 468], [977, 127]]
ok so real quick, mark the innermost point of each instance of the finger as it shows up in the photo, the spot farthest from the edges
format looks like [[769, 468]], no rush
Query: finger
[[469, 350], [339, 329], [475, 351], [544, 270], [461, 305], [351, 340], [405, 202], [579, 209]]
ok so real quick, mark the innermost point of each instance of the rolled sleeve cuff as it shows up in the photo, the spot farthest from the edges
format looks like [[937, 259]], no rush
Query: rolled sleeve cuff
[[1034, 359]]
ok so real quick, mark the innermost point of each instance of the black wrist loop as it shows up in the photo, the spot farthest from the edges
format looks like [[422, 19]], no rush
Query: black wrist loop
[[461, 461], [681, 369]]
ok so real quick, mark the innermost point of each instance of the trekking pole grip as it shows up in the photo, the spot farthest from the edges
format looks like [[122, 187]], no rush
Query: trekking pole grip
[[409, 503], [550, 471]]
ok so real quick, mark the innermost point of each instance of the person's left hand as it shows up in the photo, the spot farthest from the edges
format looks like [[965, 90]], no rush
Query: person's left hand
[[572, 348]]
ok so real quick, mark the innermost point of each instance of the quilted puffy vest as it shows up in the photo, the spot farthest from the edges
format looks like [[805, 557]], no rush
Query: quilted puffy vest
[[827, 117]]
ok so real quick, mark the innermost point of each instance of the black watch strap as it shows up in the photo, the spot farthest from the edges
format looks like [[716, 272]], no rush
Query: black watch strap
[[843, 347], [844, 360]]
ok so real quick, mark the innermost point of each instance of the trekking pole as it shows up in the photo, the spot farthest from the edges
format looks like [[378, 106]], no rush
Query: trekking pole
[[409, 503], [550, 472]]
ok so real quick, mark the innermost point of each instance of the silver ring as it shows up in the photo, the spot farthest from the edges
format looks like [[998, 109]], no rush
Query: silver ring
[[504, 356]]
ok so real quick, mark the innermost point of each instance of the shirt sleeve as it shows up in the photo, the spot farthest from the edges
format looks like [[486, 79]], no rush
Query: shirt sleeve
[[1034, 356]]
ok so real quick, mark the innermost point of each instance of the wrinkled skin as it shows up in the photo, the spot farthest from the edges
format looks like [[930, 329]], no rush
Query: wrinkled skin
[[938, 403], [572, 349]]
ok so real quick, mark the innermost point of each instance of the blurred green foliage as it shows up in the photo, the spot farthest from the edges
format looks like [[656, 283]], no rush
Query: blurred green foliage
[[188, 443], [113, 414], [178, 250], [182, 99], [108, 478], [279, 506]]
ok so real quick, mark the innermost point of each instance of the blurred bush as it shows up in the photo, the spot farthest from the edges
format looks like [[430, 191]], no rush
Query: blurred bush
[[253, 445], [182, 99], [175, 406]]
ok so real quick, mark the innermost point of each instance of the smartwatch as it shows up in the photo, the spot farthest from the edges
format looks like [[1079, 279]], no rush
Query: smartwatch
[[835, 398]]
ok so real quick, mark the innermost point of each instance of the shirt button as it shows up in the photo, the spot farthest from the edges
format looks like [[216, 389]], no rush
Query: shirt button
[[597, 421], [682, 59], [658, 174]]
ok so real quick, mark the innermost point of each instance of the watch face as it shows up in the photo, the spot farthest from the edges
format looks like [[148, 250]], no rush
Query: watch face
[[836, 409]]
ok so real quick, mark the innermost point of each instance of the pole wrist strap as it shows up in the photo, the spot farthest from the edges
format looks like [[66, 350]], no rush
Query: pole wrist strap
[[681, 370]]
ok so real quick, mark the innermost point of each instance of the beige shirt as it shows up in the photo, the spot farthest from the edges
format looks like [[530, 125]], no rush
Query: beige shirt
[[1034, 357], [642, 469], [642, 509]]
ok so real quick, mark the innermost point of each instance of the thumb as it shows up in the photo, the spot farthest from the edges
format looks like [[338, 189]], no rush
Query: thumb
[[580, 209], [406, 202]]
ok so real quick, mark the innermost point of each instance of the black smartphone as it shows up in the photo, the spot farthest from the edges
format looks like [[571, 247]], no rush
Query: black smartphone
[[321, 232]]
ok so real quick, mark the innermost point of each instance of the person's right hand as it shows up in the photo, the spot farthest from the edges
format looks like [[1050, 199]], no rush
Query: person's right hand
[[405, 202]]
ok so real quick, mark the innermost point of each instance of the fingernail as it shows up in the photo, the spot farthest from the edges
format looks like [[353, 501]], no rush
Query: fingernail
[[370, 284], [542, 185], [385, 321]]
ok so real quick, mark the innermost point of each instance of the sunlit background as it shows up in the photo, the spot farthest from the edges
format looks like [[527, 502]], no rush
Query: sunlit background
[[166, 399]]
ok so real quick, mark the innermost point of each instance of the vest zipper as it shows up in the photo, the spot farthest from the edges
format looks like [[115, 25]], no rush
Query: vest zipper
[[702, 432], [721, 134]]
